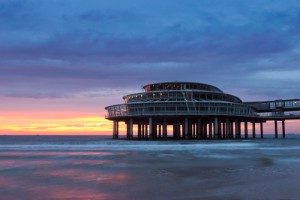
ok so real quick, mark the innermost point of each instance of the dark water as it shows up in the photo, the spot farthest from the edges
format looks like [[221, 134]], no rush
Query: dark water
[[93, 167]]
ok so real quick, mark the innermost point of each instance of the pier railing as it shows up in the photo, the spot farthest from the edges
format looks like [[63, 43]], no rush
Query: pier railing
[[276, 105], [179, 108], [281, 115]]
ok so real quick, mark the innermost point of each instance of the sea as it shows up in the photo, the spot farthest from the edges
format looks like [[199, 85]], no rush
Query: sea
[[97, 167]]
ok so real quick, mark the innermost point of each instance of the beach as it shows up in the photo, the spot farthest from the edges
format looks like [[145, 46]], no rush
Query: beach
[[94, 167]]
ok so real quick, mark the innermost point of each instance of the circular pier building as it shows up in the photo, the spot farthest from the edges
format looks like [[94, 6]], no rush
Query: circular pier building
[[186, 109]]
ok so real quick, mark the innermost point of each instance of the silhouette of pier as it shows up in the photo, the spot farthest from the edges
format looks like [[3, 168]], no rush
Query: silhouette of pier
[[197, 111]]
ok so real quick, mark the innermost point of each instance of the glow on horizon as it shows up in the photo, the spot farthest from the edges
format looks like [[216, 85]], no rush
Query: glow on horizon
[[93, 125]]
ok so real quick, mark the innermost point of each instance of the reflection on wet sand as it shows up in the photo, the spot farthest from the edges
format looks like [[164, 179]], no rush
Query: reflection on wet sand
[[80, 175], [169, 171]]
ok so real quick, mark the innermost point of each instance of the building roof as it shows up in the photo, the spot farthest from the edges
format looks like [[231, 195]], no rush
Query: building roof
[[180, 86]]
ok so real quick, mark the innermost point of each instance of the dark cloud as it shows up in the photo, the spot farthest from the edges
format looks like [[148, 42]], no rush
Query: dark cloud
[[66, 49]]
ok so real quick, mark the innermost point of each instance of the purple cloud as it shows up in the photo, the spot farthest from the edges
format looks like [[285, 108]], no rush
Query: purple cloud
[[55, 49]]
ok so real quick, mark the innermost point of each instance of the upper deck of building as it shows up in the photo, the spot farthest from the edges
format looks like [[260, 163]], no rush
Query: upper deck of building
[[180, 86]]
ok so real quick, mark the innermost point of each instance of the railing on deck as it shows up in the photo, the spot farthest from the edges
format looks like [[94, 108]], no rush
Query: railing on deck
[[180, 108]]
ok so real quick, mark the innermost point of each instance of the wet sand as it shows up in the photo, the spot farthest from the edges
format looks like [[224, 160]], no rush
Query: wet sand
[[254, 169]]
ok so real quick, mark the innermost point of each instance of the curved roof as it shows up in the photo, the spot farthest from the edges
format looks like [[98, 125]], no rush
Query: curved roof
[[178, 85]]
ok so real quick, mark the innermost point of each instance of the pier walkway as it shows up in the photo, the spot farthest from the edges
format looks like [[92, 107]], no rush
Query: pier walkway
[[277, 110]]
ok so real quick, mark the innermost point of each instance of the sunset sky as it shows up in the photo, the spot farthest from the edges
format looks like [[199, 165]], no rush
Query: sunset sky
[[63, 61]]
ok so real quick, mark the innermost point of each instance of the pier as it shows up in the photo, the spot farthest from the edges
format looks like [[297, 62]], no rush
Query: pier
[[197, 111]]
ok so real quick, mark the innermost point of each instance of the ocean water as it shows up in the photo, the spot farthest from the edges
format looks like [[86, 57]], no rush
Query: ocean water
[[97, 167]]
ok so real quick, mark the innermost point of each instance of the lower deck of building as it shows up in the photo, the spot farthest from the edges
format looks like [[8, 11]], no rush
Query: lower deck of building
[[158, 128]]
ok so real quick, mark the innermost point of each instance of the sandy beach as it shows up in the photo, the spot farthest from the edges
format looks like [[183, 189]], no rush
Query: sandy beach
[[76, 168]]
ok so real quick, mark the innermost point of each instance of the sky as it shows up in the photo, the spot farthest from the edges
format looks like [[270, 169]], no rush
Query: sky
[[63, 61]]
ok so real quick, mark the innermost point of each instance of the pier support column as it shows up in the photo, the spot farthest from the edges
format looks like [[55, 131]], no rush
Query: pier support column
[[154, 129], [261, 130], [283, 128], [131, 128], [186, 127], [199, 129], [220, 129], [183, 130], [276, 129], [227, 129], [143, 130], [176, 129], [231, 130], [159, 130], [117, 129], [246, 129], [204, 130], [114, 130], [146, 129], [127, 130], [224, 130], [237, 129], [194, 130], [216, 128], [139, 130], [253, 130], [210, 129], [165, 128], [190, 129], [150, 127]]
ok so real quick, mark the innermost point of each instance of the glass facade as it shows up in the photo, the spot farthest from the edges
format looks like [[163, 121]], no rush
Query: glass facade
[[180, 98]]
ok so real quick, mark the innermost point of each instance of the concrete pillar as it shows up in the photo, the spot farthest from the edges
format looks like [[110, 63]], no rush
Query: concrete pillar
[[210, 129], [219, 129], [276, 129], [253, 130], [237, 129], [159, 130], [114, 130], [186, 127], [165, 128], [154, 129], [131, 128], [174, 131], [224, 130], [183, 130], [261, 130], [178, 129], [146, 130], [143, 130], [150, 127], [240, 130], [216, 127], [117, 129], [128, 130], [227, 129], [194, 130], [139, 130], [205, 130], [199, 129], [231, 130], [283, 128], [190, 129], [246, 129]]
